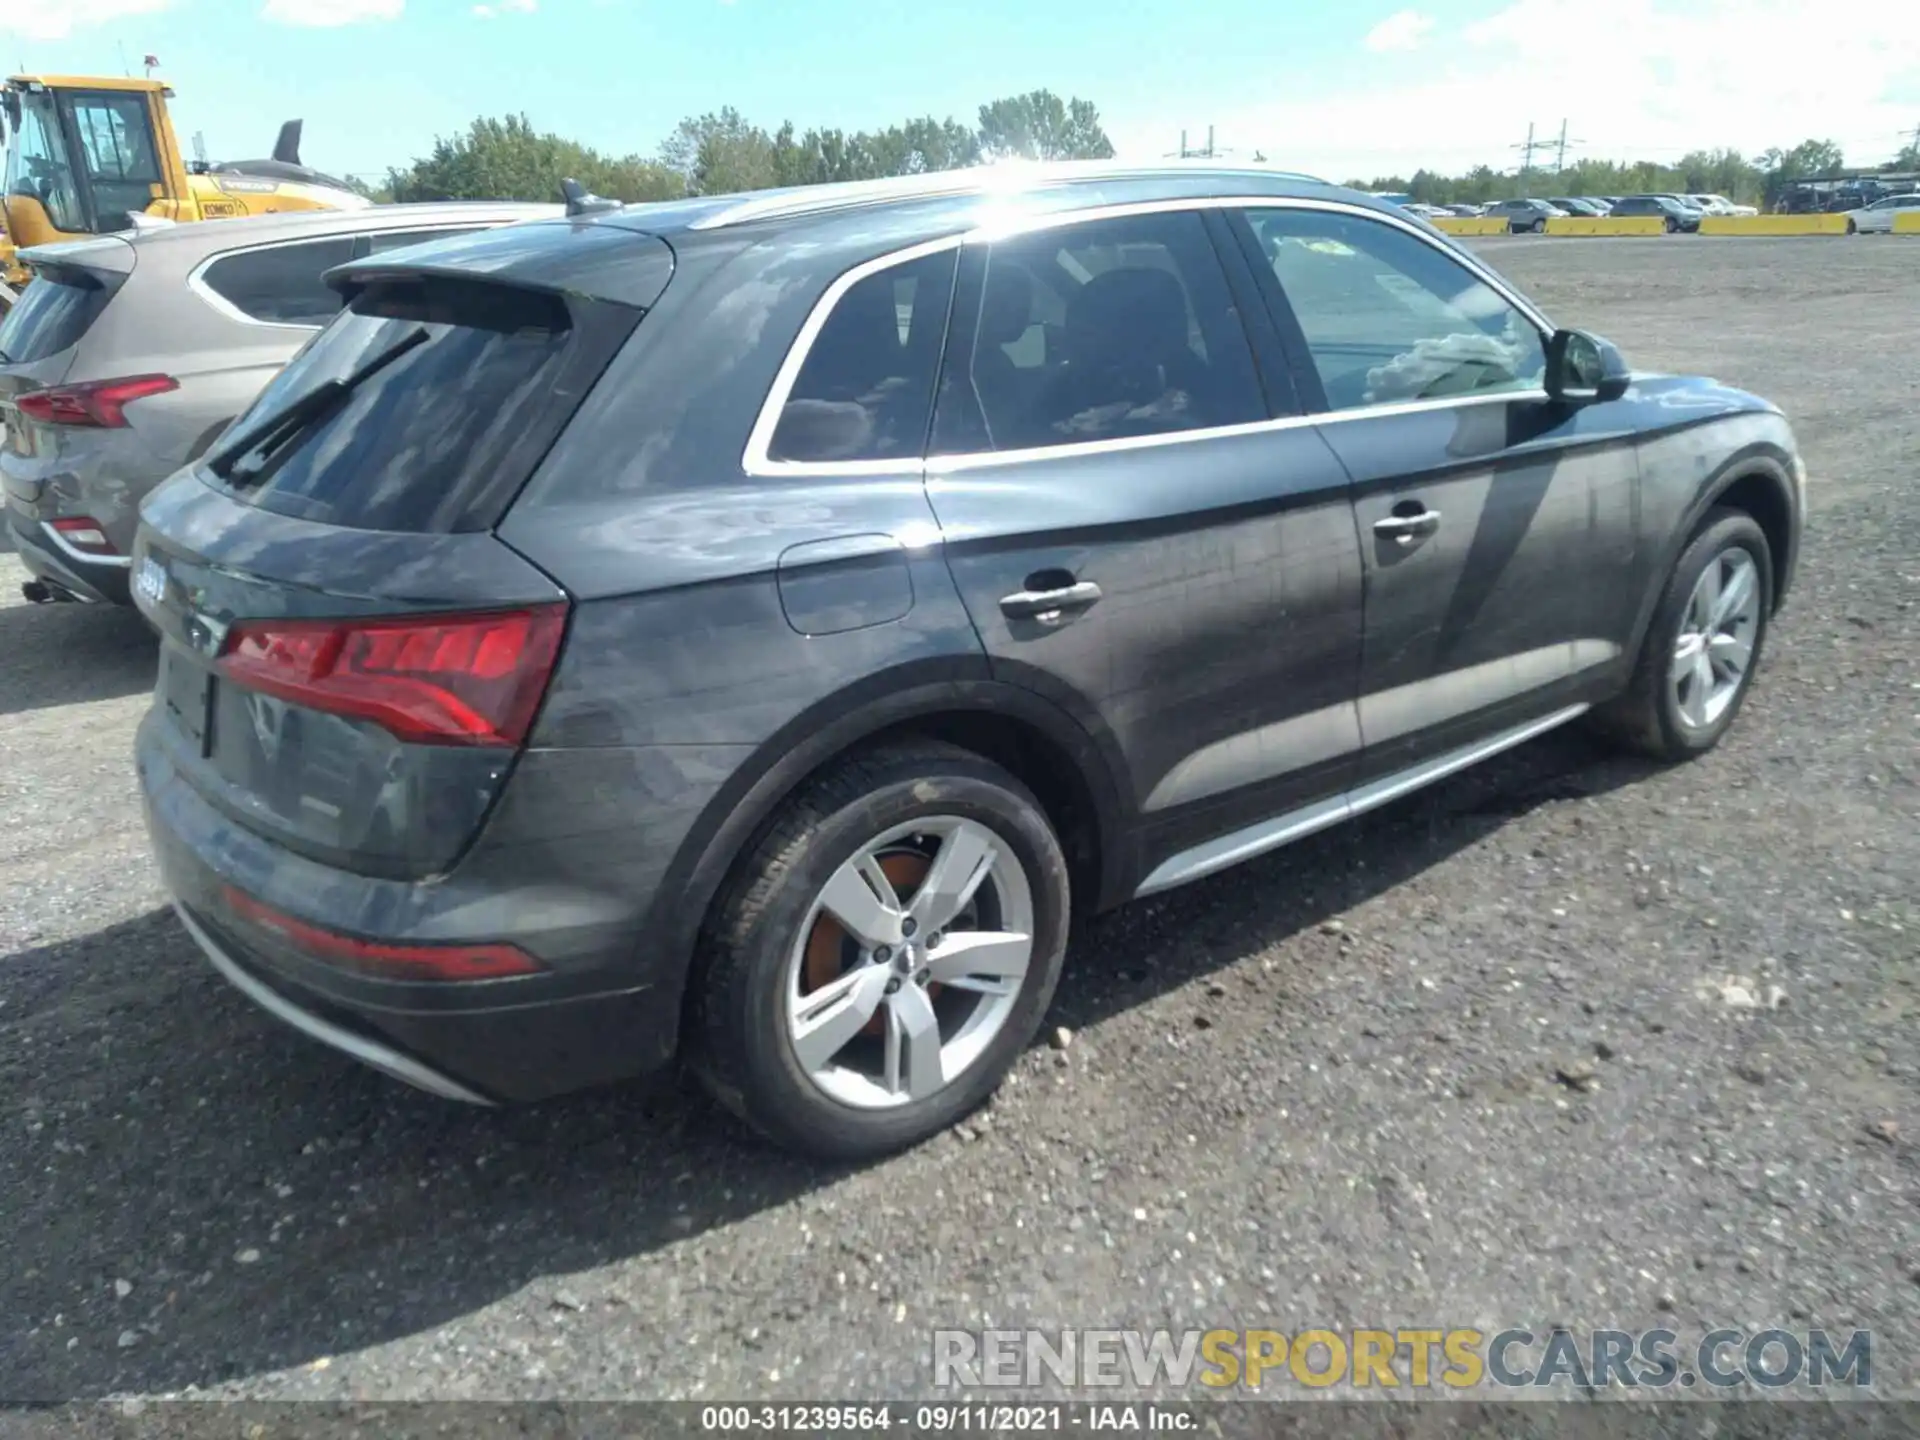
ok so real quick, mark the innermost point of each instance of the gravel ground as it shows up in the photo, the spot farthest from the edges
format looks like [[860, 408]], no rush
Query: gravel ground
[[1318, 1090]]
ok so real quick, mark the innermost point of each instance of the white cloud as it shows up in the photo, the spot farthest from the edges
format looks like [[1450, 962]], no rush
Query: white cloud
[[1402, 30], [1658, 78], [57, 19], [327, 14], [506, 7]]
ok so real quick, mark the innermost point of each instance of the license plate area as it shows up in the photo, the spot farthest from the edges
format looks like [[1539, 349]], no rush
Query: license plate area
[[185, 691]]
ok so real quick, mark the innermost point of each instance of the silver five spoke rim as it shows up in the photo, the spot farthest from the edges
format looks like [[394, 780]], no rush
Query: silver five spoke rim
[[910, 962], [1715, 649]]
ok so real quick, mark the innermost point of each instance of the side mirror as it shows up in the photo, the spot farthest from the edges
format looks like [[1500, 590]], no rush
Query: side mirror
[[1583, 368]]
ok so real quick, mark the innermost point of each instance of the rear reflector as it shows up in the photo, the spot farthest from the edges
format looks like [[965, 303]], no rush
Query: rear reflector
[[83, 532], [435, 680], [382, 961], [100, 404]]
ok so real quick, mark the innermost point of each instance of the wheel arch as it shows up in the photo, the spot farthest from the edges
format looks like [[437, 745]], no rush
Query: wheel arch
[[1755, 479], [1044, 745]]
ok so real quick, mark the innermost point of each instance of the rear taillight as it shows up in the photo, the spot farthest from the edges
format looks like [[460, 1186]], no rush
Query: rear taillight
[[101, 404], [84, 533], [495, 961], [436, 680]]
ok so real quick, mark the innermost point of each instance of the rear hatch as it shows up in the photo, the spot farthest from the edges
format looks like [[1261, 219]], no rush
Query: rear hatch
[[350, 659], [41, 334]]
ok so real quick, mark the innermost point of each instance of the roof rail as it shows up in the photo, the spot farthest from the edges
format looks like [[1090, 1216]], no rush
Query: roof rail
[[1009, 176]]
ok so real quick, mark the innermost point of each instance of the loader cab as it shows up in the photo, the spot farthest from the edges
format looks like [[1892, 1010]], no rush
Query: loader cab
[[82, 157]]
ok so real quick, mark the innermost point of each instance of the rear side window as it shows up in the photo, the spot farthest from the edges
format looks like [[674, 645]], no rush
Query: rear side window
[[1103, 330], [52, 313], [280, 284], [423, 407], [865, 390]]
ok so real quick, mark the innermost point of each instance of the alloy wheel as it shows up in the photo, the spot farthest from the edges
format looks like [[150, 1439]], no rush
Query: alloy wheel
[[910, 961], [1714, 651]]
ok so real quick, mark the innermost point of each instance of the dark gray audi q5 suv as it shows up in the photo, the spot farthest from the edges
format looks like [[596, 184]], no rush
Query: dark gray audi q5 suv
[[743, 628]]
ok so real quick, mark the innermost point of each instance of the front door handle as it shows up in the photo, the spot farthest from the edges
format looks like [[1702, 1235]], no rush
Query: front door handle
[[1407, 528], [1049, 604]]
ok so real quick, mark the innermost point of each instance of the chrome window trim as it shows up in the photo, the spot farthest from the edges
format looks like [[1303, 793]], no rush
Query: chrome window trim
[[756, 460], [760, 440], [197, 277]]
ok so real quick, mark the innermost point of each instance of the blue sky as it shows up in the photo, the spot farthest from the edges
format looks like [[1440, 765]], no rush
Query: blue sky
[[1367, 87]]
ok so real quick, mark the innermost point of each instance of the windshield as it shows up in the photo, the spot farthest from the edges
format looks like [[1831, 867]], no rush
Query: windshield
[[38, 166]]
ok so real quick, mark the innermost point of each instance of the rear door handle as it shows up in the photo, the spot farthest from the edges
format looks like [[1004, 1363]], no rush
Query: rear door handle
[[1043, 604], [1407, 528]]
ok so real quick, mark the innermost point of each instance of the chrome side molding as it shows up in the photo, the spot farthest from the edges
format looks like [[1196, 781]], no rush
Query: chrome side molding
[[1258, 839]]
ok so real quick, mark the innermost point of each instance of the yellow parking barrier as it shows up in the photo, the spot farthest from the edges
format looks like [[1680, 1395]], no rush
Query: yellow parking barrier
[[1472, 225], [1603, 225], [1906, 222], [1774, 225]]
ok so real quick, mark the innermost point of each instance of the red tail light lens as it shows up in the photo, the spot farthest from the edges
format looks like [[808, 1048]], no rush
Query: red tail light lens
[[84, 533], [100, 404], [386, 962], [435, 680]]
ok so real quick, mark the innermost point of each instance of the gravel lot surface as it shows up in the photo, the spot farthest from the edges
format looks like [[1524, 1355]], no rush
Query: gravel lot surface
[[1319, 1090]]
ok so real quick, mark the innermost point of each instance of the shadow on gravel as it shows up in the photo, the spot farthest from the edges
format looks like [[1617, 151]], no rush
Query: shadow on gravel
[[1129, 955], [69, 654], [271, 1203]]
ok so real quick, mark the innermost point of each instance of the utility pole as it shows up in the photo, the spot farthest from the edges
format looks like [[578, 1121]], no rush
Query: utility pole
[[1187, 152], [1526, 158]]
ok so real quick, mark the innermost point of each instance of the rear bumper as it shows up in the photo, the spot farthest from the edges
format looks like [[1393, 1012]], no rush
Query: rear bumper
[[99, 581], [381, 1057], [585, 1021]]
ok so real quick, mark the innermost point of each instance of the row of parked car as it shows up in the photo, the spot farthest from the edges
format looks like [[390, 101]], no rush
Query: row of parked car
[[1680, 212], [748, 627]]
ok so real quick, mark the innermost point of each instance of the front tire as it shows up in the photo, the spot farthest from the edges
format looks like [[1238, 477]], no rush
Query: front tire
[[883, 955], [1700, 653]]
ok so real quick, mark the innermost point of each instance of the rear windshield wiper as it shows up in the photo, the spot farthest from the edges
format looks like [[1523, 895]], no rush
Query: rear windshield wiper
[[269, 442]]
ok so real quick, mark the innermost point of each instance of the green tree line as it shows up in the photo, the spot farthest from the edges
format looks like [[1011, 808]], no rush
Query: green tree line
[[1757, 181], [724, 152]]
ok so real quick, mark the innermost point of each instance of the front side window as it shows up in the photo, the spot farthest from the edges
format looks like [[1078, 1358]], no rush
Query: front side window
[[866, 386], [39, 168], [280, 284], [1104, 330], [1389, 318]]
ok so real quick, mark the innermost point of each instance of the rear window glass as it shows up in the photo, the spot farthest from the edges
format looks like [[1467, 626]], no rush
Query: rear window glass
[[469, 384], [52, 313], [866, 389], [280, 284]]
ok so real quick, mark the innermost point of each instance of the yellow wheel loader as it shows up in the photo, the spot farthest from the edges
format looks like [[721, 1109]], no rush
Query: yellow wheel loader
[[88, 156]]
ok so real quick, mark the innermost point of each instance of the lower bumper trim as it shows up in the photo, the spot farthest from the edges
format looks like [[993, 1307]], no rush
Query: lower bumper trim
[[368, 1052]]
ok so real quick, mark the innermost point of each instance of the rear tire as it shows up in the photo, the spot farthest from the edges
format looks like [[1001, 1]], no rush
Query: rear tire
[[820, 1033], [1699, 656], [1852, 229]]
